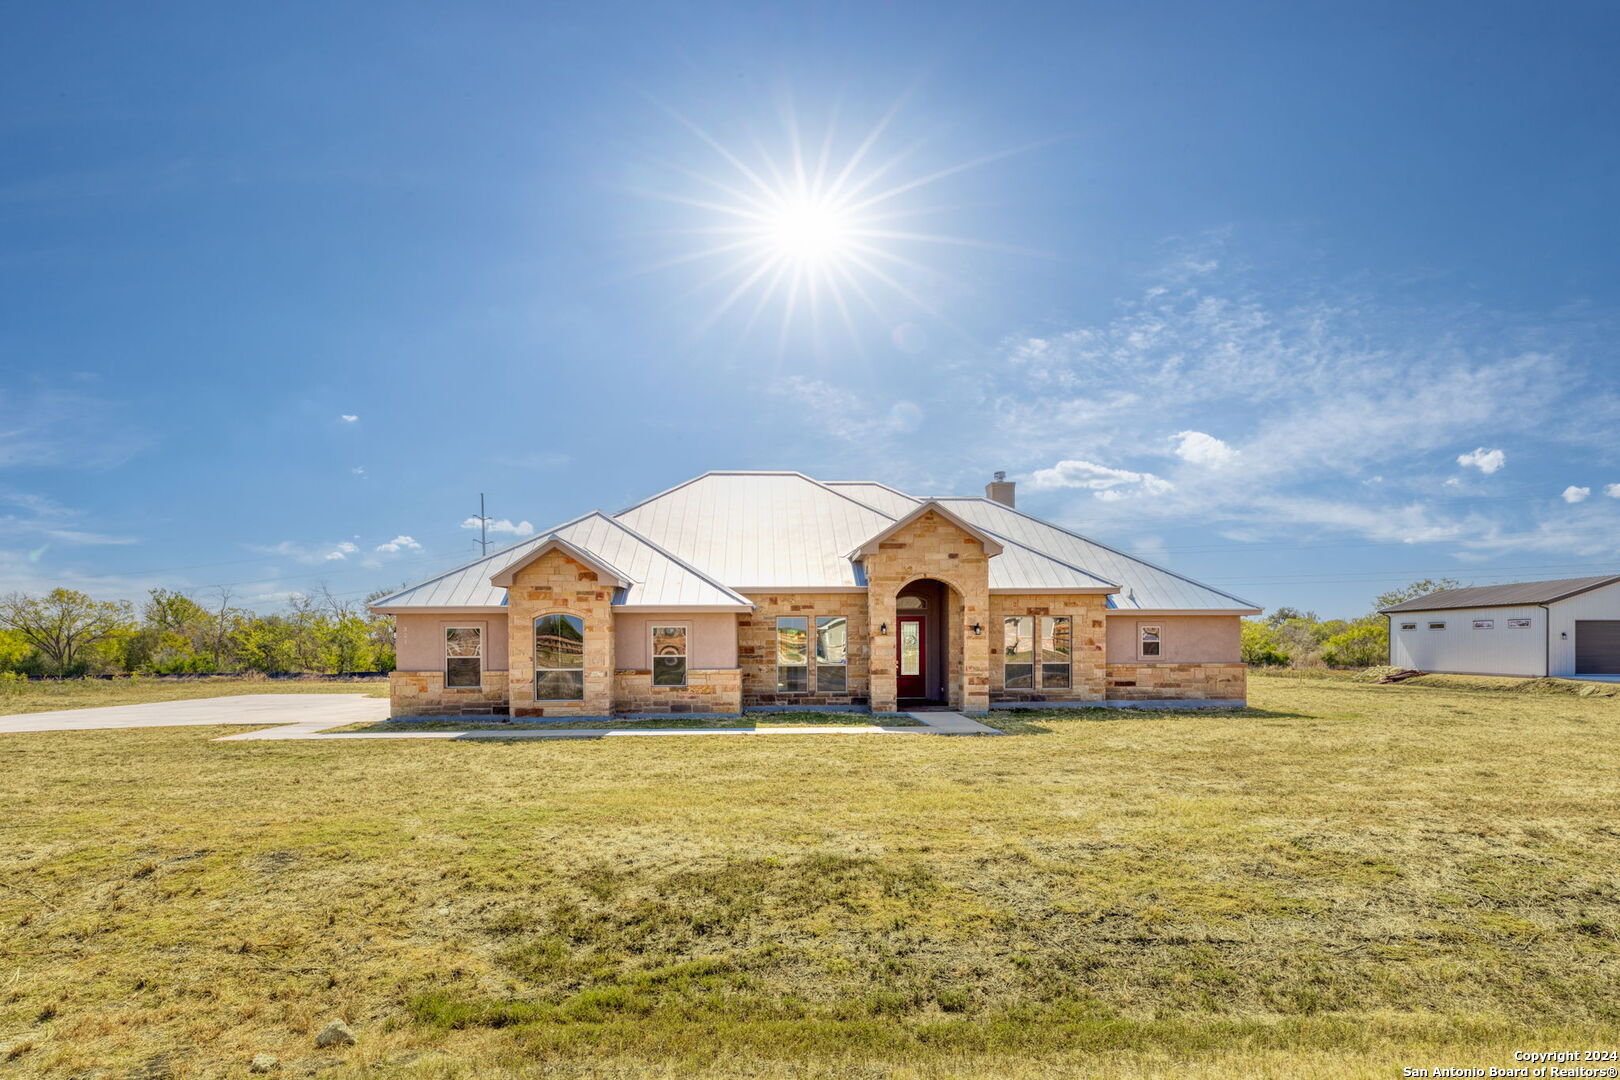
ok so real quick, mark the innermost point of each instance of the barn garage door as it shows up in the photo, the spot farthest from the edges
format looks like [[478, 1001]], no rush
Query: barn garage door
[[1597, 646]]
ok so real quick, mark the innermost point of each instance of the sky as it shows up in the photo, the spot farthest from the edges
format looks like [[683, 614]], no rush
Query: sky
[[1303, 300]]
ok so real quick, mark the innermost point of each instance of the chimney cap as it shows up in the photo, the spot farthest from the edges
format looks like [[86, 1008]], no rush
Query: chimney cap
[[1001, 474]]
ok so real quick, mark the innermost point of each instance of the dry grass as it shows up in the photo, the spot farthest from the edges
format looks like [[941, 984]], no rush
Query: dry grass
[[48, 695], [660, 723], [1342, 881]]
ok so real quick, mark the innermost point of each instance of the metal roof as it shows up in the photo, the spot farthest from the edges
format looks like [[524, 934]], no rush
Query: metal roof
[[704, 542], [1143, 586], [1516, 595], [657, 578]]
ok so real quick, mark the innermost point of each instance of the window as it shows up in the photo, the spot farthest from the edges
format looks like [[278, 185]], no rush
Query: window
[[1437, 626], [669, 656], [463, 657], [559, 658], [1518, 624], [1018, 643], [792, 656], [911, 603], [1055, 651], [1484, 624], [832, 654], [1408, 626], [1147, 640]]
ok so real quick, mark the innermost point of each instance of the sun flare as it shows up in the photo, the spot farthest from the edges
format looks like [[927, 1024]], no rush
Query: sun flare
[[812, 229]]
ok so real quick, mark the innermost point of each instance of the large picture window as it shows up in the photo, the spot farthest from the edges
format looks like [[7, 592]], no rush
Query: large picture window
[[463, 657], [832, 654], [669, 655], [559, 658], [1147, 637], [1056, 651], [1018, 643], [792, 654]]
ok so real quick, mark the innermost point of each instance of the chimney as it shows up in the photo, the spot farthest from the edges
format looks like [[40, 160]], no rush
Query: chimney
[[1001, 490]]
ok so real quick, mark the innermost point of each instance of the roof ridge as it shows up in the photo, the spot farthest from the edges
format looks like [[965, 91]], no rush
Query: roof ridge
[[827, 486], [534, 538], [678, 561], [1105, 547]]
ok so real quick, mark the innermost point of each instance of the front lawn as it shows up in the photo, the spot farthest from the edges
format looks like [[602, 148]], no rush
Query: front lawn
[[48, 695], [658, 723], [1341, 881]]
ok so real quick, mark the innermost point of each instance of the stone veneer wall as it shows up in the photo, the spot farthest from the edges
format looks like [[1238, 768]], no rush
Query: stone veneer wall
[[756, 647], [1087, 677], [712, 690], [933, 547], [1177, 682], [556, 583], [422, 693]]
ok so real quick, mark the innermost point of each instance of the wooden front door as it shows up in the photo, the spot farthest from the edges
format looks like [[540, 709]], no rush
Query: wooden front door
[[912, 646]]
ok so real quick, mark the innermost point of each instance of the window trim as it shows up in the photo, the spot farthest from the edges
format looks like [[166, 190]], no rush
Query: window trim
[[1520, 624], [1408, 626], [447, 627], [1484, 624], [812, 655], [1158, 641], [652, 653], [1437, 625], [534, 645], [776, 648]]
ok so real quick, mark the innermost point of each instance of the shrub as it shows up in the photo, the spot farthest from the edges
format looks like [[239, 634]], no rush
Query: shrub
[[1262, 645], [1364, 644]]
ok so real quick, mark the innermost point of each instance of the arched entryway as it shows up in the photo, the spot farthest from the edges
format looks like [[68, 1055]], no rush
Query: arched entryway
[[927, 644]]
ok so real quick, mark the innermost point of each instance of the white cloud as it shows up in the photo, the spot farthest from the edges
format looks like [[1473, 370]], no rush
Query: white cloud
[[1573, 494], [1486, 461], [400, 543], [1105, 482], [348, 418], [1612, 490], [360, 471], [521, 528], [342, 551], [1200, 449]]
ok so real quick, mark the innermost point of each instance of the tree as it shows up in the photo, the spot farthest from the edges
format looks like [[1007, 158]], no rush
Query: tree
[[1413, 591], [1262, 645], [65, 624], [1364, 644], [1288, 614]]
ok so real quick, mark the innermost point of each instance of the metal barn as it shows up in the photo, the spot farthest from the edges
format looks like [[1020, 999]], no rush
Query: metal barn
[[1568, 628]]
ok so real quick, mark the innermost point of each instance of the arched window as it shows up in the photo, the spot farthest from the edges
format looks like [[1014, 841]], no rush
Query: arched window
[[910, 603], [559, 658]]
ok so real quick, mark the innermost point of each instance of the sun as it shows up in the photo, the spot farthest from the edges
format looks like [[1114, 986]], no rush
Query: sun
[[808, 229]]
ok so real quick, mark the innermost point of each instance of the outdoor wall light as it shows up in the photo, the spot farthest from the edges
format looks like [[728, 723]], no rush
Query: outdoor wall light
[[977, 629], [1564, 634], [883, 629]]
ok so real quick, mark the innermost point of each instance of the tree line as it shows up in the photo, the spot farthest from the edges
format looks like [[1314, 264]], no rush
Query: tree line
[[1291, 637], [66, 633]]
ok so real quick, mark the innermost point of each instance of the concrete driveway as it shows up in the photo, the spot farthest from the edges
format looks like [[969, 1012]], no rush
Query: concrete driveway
[[323, 710]]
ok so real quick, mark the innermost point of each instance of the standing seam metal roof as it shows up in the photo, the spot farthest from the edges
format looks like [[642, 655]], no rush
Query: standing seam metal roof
[[699, 543]]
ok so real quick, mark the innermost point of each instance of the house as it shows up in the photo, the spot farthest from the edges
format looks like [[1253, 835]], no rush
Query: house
[[771, 590], [1564, 628]]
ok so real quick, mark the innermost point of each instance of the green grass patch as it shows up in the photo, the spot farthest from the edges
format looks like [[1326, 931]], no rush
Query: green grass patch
[[660, 723], [1341, 880]]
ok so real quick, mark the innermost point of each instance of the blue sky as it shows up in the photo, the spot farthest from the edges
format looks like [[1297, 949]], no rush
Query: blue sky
[[1305, 300]]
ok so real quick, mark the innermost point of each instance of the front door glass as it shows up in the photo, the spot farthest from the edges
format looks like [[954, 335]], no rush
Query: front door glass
[[910, 648]]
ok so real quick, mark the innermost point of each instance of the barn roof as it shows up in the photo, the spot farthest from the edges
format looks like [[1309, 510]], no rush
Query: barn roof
[[1515, 595]]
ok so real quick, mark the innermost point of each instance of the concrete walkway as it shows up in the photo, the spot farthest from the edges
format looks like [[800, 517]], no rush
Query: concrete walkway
[[936, 723], [298, 710]]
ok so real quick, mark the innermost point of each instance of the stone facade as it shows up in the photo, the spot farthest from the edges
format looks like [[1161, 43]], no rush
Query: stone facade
[[934, 547], [1177, 682], [1087, 675], [556, 583], [715, 690], [422, 693], [756, 648]]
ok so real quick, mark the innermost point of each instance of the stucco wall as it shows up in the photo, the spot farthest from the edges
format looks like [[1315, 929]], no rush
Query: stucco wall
[[711, 641], [419, 640], [1184, 639], [1087, 678], [756, 647]]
